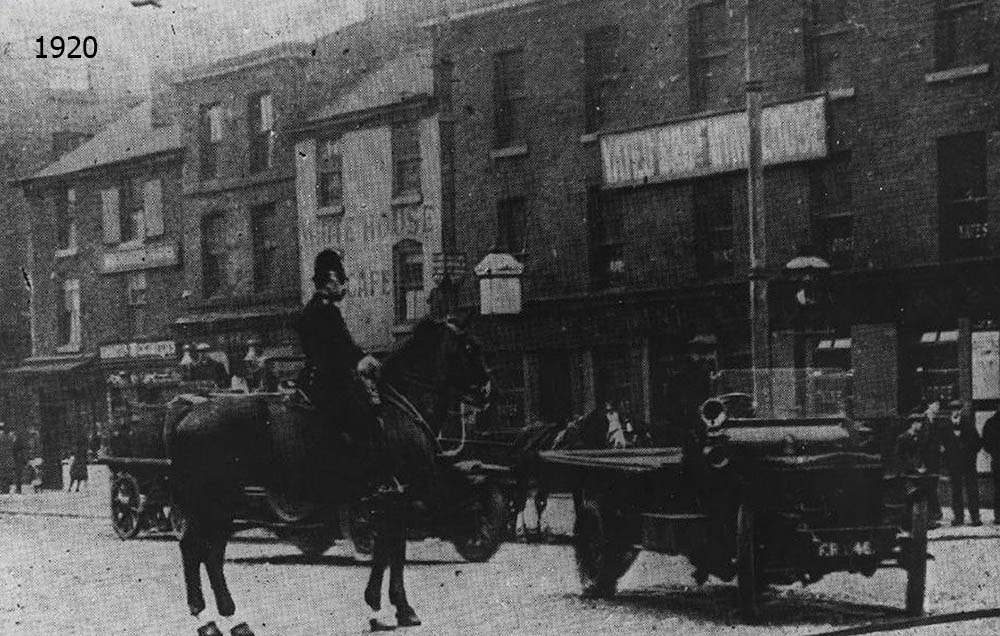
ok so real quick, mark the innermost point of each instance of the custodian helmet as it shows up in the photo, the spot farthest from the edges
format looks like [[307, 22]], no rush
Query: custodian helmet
[[327, 261]]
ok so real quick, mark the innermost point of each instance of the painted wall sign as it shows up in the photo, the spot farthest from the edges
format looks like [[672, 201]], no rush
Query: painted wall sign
[[142, 257], [794, 131], [985, 365], [121, 350]]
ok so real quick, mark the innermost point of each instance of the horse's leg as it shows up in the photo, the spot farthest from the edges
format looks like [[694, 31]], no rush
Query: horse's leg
[[541, 502], [192, 551], [215, 556], [380, 559], [405, 616]]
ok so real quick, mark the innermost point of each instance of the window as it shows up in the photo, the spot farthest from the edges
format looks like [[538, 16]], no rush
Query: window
[[261, 126], [213, 253], [135, 301], [827, 45], [605, 220], [508, 99], [830, 202], [713, 202], [131, 218], [133, 211], [66, 220], [264, 233], [406, 158], [408, 265], [601, 74], [209, 139], [962, 203], [330, 175], [69, 316], [708, 26], [511, 219], [958, 34]]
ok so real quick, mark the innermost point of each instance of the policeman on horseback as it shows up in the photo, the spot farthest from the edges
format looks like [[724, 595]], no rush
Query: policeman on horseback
[[339, 378]]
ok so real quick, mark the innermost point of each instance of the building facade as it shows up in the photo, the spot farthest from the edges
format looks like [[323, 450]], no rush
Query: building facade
[[107, 222], [368, 169], [603, 144]]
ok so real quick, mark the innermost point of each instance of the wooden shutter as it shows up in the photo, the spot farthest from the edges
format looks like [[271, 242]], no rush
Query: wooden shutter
[[110, 215], [152, 198]]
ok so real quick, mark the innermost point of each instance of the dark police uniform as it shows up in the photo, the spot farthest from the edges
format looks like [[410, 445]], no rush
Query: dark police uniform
[[331, 356]]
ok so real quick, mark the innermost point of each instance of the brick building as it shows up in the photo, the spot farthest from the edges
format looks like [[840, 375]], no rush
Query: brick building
[[368, 173], [602, 144], [107, 219], [242, 265]]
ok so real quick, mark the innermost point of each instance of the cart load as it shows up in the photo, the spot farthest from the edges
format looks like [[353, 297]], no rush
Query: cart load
[[774, 484]]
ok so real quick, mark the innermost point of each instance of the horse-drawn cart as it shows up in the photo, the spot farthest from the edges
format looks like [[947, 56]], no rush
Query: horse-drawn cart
[[471, 515], [776, 490]]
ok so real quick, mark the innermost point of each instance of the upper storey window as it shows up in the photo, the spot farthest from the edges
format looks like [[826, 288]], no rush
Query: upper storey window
[[958, 34], [209, 139], [261, 120], [508, 99]]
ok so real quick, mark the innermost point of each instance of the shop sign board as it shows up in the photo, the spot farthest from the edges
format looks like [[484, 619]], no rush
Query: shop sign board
[[141, 257], [790, 132], [986, 365], [125, 350]]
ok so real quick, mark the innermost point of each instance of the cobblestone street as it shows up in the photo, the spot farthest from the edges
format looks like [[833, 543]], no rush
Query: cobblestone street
[[66, 573]]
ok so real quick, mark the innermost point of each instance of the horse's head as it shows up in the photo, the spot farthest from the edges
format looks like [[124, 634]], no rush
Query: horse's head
[[458, 359]]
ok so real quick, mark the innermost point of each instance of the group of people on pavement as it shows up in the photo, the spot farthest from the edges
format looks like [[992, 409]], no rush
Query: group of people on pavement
[[948, 444], [15, 468]]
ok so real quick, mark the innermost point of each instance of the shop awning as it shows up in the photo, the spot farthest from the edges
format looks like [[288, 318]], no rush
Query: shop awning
[[50, 365]]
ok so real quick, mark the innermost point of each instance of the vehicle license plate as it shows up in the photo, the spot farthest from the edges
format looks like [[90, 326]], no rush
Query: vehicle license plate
[[846, 549]]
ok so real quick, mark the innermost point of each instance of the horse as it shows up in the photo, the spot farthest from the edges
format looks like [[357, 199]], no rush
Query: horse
[[215, 444], [601, 428]]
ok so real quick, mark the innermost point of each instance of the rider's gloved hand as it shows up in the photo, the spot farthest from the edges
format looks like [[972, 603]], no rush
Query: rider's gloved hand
[[369, 367]]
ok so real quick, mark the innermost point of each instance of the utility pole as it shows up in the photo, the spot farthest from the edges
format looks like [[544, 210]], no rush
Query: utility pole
[[760, 322]]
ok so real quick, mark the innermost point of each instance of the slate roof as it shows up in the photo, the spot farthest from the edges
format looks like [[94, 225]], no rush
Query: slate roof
[[409, 75], [130, 137]]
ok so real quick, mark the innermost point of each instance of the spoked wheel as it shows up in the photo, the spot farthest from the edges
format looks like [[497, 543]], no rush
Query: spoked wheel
[[126, 506], [602, 547], [480, 534], [747, 564], [356, 527], [916, 559]]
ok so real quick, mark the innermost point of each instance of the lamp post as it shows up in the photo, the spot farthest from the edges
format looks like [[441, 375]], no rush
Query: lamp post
[[760, 321]]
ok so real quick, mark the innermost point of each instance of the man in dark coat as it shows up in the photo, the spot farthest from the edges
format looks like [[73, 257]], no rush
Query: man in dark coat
[[334, 362], [991, 443], [961, 445], [919, 448]]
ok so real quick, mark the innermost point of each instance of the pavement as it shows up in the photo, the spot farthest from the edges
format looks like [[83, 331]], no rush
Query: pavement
[[557, 520]]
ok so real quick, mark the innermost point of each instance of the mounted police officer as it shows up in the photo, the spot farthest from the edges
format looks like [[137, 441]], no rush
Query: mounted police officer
[[339, 377]]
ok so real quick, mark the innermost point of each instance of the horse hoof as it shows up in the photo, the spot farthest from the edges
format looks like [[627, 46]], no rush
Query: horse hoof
[[374, 599], [407, 618], [209, 629], [378, 626]]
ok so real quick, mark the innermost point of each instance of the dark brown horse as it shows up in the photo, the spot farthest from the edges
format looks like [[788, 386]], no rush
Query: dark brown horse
[[217, 444], [601, 428]]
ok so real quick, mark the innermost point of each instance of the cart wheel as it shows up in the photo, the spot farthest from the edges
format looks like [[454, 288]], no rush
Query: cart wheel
[[356, 527], [602, 548], [288, 509], [126, 506], [747, 571], [916, 559], [312, 541], [480, 533]]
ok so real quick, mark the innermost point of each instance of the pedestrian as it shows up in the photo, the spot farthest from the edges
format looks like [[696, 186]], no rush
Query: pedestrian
[[20, 453], [933, 451], [78, 465], [917, 451], [37, 465], [991, 444], [6, 459], [961, 446]]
